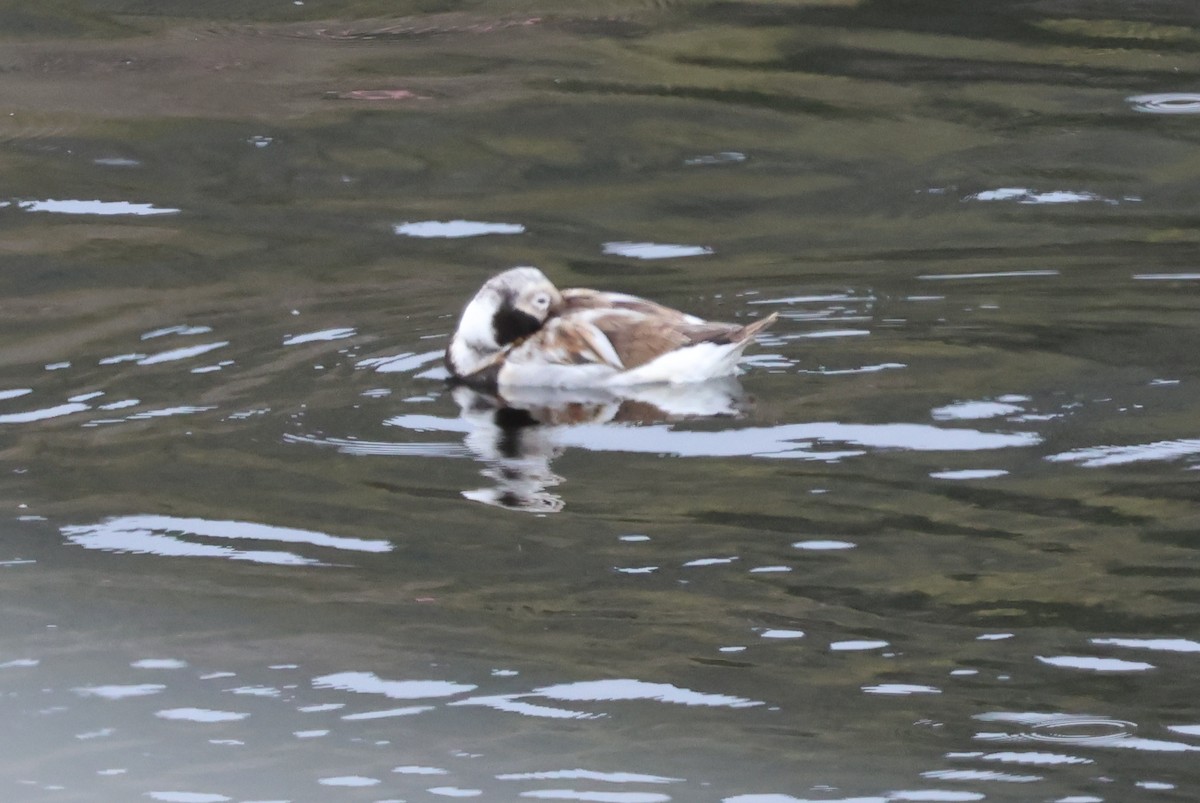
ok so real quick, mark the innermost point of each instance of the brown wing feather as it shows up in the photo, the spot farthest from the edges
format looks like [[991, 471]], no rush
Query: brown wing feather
[[645, 340], [576, 299], [639, 340], [597, 334]]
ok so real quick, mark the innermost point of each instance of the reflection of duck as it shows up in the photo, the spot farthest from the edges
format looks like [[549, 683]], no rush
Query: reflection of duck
[[517, 435], [520, 331]]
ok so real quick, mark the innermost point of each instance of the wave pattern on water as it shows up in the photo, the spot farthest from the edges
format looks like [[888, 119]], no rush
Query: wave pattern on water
[[830, 582], [1101, 456], [170, 536]]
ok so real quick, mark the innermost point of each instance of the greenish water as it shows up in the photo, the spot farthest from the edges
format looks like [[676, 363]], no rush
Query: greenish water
[[939, 542]]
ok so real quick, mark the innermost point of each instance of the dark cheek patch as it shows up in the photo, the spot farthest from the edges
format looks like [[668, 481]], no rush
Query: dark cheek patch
[[510, 325]]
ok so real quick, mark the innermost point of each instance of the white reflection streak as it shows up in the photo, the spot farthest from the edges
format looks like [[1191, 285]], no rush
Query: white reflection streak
[[147, 535], [120, 358], [391, 712], [811, 299], [621, 689], [71, 207], [865, 369], [1026, 196], [780, 798], [1004, 274], [1098, 456], [835, 333], [865, 644], [597, 797], [231, 529], [181, 353], [200, 715], [370, 683], [323, 335], [513, 704], [159, 663], [1166, 103], [615, 690], [383, 448], [177, 330], [968, 474], [1094, 664], [901, 689], [144, 542], [1116, 740], [979, 775], [44, 413], [1035, 758], [1147, 745], [782, 634], [407, 361], [655, 250], [1167, 644], [788, 440], [166, 412], [969, 410], [586, 775], [120, 692], [452, 229], [348, 780], [1039, 718]]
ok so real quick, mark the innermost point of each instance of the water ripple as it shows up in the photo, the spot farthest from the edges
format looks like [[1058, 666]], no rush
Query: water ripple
[[323, 335], [1166, 103], [597, 797], [586, 775], [148, 534], [44, 413], [200, 715], [1081, 730], [655, 250], [1003, 274], [407, 361], [101, 208], [1166, 644], [1022, 195], [1099, 456], [1092, 664], [454, 229], [370, 683], [181, 353], [181, 329], [785, 441], [120, 691]]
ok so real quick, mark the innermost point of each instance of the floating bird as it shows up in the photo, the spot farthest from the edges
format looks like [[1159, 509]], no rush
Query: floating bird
[[521, 331]]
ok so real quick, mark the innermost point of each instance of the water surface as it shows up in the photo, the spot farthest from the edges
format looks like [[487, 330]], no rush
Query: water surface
[[936, 543]]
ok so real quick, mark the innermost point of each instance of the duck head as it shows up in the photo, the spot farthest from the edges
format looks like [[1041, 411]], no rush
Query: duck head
[[508, 307]]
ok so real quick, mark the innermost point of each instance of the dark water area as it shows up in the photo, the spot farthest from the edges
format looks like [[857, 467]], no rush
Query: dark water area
[[938, 542]]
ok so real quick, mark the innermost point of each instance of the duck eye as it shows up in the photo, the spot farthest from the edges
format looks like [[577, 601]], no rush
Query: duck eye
[[541, 300]]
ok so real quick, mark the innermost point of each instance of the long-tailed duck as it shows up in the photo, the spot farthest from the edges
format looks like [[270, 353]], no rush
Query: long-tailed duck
[[521, 331]]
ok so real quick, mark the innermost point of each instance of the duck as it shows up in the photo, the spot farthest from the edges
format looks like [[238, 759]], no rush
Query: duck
[[519, 330]]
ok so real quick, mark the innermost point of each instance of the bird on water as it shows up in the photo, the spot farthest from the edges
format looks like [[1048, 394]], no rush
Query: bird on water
[[521, 331]]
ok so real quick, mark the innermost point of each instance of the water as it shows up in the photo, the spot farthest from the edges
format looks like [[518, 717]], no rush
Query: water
[[936, 543]]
